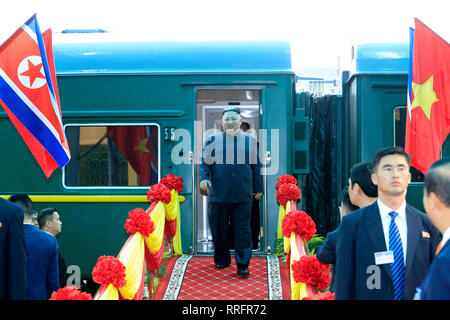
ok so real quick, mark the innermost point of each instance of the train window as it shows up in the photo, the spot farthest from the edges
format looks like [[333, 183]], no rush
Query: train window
[[399, 138], [112, 155]]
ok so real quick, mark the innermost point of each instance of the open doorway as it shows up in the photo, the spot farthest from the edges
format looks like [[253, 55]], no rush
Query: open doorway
[[210, 103]]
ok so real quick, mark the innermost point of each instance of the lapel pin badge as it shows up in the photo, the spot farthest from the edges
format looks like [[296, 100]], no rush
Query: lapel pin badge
[[425, 234]]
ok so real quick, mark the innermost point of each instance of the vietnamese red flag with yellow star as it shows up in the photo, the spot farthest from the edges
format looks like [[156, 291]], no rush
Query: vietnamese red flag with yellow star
[[137, 144], [428, 114]]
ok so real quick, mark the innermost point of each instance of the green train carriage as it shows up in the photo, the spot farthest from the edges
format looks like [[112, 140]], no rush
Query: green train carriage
[[174, 90]]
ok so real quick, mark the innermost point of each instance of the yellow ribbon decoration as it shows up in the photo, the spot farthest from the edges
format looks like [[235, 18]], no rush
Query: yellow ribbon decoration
[[281, 214], [177, 238], [110, 293], [173, 212], [294, 256], [286, 243], [155, 240], [298, 289], [173, 206], [132, 254], [132, 257]]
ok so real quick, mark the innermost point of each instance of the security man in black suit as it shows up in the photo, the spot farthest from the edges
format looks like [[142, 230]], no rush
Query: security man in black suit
[[230, 174], [327, 251], [384, 250], [13, 252]]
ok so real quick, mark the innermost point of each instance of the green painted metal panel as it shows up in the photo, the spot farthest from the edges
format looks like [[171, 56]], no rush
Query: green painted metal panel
[[301, 133], [371, 103]]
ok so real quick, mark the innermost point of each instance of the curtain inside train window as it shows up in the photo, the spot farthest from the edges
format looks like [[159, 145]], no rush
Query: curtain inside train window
[[111, 155]]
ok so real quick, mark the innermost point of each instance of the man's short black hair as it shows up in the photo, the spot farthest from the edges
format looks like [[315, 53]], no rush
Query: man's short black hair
[[228, 109], [438, 180], [346, 202], [24, 201], [245, 126], [389, 151], [45, 215], [361, 174]]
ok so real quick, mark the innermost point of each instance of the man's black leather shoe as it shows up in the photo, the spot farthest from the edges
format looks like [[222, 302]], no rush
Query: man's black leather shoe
[[243, 272], [221, 266]]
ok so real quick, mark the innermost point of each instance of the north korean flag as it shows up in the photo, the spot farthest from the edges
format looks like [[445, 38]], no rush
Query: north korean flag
[[29, 95]]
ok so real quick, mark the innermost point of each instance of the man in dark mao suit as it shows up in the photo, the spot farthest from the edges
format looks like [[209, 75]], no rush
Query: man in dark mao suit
[[13, 252], [230, 174], [385, 236], [436, 200]]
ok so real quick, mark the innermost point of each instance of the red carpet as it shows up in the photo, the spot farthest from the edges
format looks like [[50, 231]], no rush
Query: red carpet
[[196, 278]]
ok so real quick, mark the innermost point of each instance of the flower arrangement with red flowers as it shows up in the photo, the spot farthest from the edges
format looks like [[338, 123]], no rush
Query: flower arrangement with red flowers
[[300, 223], [109, 270], [327, 295], [311, 271], [159, 192], [171, 181], [287, 192], [286, 178], [70, 293], [139, 221]]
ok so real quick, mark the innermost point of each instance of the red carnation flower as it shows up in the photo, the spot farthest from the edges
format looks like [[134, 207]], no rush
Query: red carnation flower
[[286, 178], [109, 270], [171, 181], [327, 295], [311, 271], [139, 221], [287, 192], [300, 223], [159, 192], [70, 293]]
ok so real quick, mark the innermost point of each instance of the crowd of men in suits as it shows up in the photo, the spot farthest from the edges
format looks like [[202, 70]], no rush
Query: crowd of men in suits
[[31, 265], [387, 249]]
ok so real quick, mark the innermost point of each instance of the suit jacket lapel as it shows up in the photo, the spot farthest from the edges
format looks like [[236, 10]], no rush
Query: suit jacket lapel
[[374, 228], [413, 225], [447, 244]]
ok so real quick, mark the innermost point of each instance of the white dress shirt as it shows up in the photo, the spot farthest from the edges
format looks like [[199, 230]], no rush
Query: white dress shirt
[[400, 221], [445, 237]]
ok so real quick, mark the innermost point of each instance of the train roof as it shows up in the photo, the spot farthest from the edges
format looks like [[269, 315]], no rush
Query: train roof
[[174, 57], [378, 59]]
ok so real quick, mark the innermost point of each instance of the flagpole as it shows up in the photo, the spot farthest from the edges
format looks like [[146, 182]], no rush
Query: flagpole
[[266, 161], [194, 199]]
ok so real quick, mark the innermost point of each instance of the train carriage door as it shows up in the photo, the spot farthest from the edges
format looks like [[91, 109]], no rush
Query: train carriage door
[[210, 103]]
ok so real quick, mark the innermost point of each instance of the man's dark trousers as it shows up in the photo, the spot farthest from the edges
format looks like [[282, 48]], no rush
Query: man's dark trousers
[[239, 213]]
